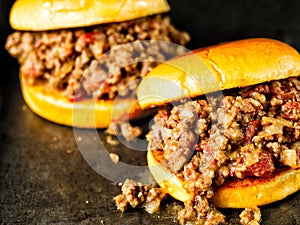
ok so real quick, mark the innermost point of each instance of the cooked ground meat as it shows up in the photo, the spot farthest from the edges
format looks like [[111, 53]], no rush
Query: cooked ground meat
[[128, 131], [247, 132], [72, 60], [250, 216], [140, 195]]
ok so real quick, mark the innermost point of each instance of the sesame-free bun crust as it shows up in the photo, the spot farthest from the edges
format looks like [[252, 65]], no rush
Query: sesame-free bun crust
[[53, 106], [38, 15], [256, 192], [233, 194], [224, 66]]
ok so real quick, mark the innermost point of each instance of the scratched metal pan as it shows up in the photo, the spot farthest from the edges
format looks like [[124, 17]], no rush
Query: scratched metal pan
[[46, 178]]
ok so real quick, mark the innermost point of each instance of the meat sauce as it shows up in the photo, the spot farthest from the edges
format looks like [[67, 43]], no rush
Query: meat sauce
[[248, 132], [61, 58]]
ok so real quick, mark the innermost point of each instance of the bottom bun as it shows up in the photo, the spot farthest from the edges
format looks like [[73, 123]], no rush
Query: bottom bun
[[55, 107], [233, 194]]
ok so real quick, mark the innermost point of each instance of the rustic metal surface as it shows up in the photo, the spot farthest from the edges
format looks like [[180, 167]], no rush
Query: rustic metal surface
[[45, 180]]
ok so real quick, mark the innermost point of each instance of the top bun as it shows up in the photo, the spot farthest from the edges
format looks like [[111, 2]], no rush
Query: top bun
[[224, 66], [38, 15]]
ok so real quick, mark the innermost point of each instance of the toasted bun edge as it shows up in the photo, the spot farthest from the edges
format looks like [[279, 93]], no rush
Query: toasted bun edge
[[39, 15], [257, 192]]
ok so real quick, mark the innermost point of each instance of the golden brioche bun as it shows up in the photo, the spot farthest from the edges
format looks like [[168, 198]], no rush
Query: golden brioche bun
[[234, 194], [224, 66], [55, 107], [53, 14]]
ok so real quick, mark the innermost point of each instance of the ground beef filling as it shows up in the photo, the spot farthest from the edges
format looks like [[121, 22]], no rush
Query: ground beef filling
[[250, 216], [72, 60], [135, 194], [248, 132]]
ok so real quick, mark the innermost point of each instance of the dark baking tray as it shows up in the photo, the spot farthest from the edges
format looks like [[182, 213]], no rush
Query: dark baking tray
[[44, 179]]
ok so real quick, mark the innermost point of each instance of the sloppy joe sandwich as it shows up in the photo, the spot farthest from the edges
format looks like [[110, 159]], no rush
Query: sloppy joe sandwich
[[229, 136], [60, 47]]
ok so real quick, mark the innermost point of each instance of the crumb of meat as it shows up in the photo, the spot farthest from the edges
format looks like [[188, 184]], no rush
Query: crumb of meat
[[130, 132], [250, 216], [121, 202], [24, 107], [200, 211], [114, 157], [136, 194], [111, 140], [69, 151], [125, 129]]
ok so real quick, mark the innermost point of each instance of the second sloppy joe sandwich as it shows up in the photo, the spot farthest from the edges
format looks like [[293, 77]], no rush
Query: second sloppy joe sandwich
[[229, 135]]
